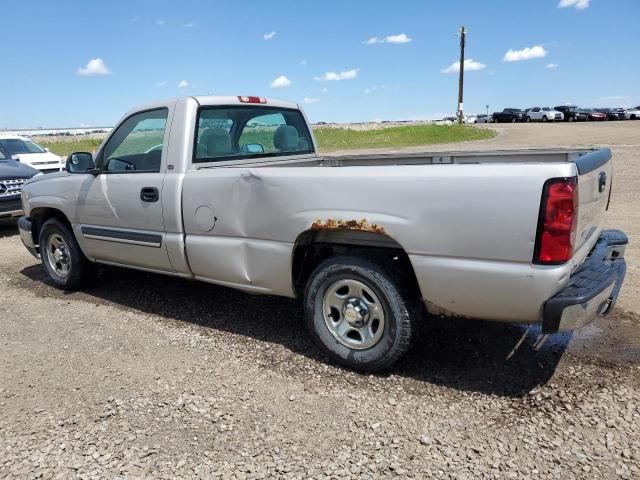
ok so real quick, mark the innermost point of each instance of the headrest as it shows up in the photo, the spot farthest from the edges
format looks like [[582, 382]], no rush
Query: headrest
[[217, 142], [286, 138]]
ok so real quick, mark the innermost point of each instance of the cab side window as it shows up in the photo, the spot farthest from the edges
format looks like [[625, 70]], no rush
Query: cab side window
[[136, 145]]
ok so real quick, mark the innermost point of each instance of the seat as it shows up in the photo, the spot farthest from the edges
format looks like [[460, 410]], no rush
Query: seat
[[151, 161], [214, 142], [286, 138]]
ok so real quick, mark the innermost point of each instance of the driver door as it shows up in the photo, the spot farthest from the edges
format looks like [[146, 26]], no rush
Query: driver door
[[120, 209]]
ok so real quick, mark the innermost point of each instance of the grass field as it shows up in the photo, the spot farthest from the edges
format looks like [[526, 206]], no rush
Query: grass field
[[334, 139]]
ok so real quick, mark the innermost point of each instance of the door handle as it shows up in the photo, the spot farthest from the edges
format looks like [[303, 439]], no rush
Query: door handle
[[149, 194]]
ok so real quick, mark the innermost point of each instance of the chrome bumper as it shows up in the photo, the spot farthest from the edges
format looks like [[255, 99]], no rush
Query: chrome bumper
[[592, 290], [10, 214], [24, 226]]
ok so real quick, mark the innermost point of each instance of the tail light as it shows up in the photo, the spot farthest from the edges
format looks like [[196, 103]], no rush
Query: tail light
[[249, 99], [557, 222]]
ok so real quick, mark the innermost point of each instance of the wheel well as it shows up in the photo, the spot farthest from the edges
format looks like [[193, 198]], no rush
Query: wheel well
[[315, 246], [40, 215]]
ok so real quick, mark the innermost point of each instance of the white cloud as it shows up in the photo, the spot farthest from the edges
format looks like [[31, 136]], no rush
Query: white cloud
[[302, 62], [551, 65], [527, 53], [399, 38], [325, 90], [160, 23], [308, 100], [375, 88], [281, 82], [189, 25], [333, 76], [183, 84], [470, 65], [269, 36], [95, 67], [161, 84], [579, 4]]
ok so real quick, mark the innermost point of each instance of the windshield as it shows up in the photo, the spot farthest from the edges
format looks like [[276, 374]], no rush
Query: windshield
[[234, 133], [546, 109], [16, 146]]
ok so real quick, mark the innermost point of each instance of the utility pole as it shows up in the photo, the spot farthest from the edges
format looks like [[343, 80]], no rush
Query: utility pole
[[461, 78]]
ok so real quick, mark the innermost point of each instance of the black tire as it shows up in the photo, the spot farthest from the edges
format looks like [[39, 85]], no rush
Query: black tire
[[545, 119], [632, 117], [514, 119], [78, 263], [400, 313], [572, 118], [528, 119]]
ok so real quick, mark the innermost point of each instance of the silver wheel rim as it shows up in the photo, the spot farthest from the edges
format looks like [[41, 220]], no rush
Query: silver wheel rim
[[353, 314], [58, 255]]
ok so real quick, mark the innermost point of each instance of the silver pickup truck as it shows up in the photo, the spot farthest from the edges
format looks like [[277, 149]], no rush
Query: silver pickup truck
[[230, 190]]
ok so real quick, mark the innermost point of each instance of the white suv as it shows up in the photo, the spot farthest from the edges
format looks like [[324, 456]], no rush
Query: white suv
[[544, 114], [30, 153]]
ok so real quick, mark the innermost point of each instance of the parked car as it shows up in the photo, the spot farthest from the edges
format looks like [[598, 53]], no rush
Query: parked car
[[13, 175], [482, 118], [543, 114], [592, 115], [632, 114], [612, 113], [470, 118], [510, 115], [571, 113], [30, 153], [510, 236]]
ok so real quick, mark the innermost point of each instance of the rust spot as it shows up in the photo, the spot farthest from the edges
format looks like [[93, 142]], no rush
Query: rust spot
[[361, 225]]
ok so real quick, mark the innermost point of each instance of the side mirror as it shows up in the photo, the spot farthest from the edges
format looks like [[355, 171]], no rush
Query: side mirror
[[46, 149], [252, 148], [79, 162]]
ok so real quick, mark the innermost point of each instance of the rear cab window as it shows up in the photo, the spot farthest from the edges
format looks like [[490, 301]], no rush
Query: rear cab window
[[247, 132]]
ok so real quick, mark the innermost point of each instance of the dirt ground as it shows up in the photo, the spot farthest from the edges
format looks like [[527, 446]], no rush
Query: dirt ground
[[145, 376]]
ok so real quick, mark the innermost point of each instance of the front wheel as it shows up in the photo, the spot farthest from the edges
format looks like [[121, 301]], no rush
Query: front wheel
[[545, 119], [66, 265], [514, 119], [359, 314]]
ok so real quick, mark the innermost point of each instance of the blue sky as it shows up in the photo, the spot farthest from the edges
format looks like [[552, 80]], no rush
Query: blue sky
[[150, 50]]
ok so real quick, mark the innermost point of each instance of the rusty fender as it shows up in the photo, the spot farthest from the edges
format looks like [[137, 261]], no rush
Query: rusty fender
[[360, 226]]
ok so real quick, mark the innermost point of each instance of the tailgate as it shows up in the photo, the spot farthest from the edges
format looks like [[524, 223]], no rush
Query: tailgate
[[595, 172]]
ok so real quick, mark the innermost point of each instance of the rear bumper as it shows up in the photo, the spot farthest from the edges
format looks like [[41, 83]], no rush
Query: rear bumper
[[592, 289], [24, 226]]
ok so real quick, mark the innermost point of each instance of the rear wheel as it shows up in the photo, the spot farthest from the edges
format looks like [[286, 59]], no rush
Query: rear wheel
[[528, 119], [359, 314], [572, 118], [514, 119], [66, 265]]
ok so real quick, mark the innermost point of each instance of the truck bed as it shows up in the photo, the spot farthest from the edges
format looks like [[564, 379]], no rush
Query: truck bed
[[558, 155]]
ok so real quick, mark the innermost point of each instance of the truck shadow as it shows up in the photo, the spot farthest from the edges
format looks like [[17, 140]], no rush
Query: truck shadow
[[461, 354], [8, 228]]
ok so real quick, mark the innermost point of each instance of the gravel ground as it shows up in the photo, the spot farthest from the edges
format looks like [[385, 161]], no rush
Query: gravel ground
[[145, 376]]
